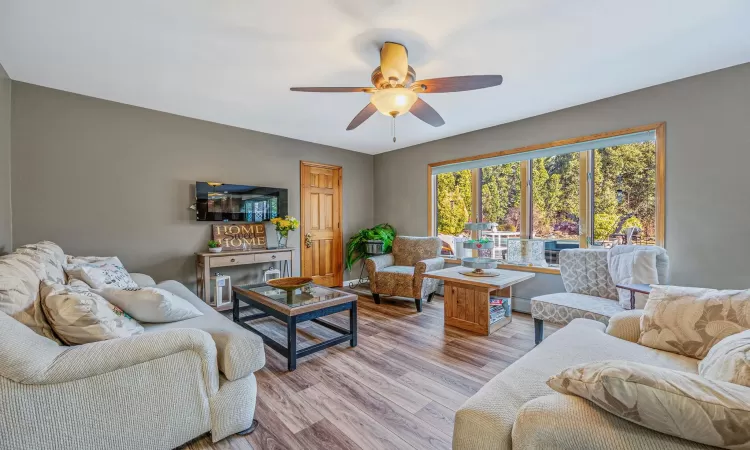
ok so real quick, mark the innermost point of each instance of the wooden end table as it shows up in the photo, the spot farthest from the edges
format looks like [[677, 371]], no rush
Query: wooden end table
[[635, 288], [308, 303], [467, 299]]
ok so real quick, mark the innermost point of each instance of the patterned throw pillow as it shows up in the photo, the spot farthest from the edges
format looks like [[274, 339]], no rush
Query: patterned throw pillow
[[79, 316], [150, 304], [729, 360], [690, 321], [677, 403], [100, 272]]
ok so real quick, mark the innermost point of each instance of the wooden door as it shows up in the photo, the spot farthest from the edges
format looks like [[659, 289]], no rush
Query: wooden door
[[321, 238]]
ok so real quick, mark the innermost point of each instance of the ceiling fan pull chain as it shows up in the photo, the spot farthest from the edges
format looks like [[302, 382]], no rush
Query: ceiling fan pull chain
[[393, 127]]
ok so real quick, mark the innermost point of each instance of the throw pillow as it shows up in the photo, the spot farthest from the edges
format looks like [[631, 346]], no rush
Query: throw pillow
[[690, 321], [677, 403], [100, 272], [150, 304], [729, 360], [79, 316]]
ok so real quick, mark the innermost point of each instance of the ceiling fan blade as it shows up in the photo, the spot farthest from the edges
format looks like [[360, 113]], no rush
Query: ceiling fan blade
[[458, 84], [394, 63], [426, 113], [363, 115], [332, 89]]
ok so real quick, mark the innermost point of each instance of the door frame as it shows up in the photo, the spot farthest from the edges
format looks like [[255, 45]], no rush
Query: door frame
[[338, 240]]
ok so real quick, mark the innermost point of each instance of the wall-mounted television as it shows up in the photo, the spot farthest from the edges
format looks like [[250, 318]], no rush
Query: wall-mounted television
[[219, 202]]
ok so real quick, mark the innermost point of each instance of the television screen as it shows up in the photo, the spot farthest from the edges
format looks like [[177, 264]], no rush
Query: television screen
[[219, 202]]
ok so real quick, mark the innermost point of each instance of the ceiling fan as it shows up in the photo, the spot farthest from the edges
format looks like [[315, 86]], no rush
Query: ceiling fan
[[395, 92]]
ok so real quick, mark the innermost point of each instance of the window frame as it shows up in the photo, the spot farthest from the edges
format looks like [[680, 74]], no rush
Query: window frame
[[586, 200]]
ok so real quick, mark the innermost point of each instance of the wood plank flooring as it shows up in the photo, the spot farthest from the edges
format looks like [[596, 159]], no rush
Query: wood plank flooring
[[398, 389]]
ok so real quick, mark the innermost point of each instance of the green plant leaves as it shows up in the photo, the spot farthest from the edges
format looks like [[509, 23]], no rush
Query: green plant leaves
[[356, 247]]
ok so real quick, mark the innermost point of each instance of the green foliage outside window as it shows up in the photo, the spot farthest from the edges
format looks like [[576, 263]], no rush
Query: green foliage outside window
[[624, 194]]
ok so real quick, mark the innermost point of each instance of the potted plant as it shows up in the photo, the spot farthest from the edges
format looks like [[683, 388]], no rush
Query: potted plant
[[368, 242], [283, 227], [214, 246]]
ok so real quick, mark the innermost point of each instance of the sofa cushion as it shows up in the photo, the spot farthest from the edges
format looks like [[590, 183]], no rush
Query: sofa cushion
[[677, 403], [100, 272], [51, 248], [240, 352], [53, 269], [80, 316], [565, 306], [585, 271], [486, 419], [150, 304], [690, 321], [729, 360], [20, 276], [408, 250], [559, 421]]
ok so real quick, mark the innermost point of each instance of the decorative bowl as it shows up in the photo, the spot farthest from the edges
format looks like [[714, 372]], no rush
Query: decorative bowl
[[214, 249], [290, 283]]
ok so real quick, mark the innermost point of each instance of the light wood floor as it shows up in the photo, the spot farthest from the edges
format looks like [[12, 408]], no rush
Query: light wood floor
[[398, 389]]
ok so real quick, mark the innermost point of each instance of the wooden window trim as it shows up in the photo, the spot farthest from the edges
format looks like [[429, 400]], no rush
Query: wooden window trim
[[585, 194]]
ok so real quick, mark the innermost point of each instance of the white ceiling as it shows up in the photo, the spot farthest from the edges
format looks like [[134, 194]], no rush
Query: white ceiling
[[233, 62]]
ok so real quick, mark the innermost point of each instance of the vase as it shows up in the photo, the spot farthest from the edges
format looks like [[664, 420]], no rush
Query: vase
[[281, 238]]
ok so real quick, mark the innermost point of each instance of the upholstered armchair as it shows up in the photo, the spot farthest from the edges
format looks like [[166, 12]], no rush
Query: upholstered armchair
[[400, 273]]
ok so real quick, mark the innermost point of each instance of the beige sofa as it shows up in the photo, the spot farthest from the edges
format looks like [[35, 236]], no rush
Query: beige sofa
[[153, 391], [516, 409]]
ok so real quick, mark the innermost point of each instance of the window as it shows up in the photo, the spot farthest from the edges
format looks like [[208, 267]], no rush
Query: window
[[453, 209], [591, 191], [624, 192]]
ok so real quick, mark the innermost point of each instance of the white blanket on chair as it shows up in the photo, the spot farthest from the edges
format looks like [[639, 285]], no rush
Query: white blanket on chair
[[634, 264]]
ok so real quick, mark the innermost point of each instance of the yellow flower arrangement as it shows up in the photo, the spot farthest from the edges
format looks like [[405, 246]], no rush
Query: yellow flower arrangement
[[285, 225]]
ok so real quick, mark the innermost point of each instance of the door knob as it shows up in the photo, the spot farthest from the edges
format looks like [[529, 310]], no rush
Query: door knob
[[308, 240]]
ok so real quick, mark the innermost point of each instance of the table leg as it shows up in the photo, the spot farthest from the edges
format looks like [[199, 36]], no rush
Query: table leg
[[235, 307], [206, 297], [353, 324], [198, 276], [291, 342]]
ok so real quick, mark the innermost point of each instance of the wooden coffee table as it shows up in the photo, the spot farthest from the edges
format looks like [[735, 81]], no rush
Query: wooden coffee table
[[308, 303], [467, 299]]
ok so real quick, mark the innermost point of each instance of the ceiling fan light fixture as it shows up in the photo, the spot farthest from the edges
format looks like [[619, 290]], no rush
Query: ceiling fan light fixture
[[394, 102]]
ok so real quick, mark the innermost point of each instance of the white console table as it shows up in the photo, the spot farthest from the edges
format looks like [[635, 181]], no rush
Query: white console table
[[205, 261]]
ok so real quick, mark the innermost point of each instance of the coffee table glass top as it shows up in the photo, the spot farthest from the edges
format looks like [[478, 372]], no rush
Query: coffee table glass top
[[307, 295]]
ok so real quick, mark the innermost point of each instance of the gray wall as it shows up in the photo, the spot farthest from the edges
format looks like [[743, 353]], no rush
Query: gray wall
[[103, 178], [6, 238], [708, 168]]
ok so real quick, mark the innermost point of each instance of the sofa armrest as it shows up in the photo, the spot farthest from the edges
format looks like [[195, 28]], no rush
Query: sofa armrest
[[626, 325], [375, 264], [32, 359], [380, 262], [143, 280], [428, 265], [568, 421]]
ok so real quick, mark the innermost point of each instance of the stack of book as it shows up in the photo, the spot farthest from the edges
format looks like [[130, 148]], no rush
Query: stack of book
[[499, 308]]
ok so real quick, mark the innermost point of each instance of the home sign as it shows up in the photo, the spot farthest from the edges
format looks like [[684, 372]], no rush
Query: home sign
[[251, 236]]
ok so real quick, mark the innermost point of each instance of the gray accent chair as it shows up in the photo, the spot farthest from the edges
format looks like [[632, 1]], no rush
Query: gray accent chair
[[400, 273], [590, 290]]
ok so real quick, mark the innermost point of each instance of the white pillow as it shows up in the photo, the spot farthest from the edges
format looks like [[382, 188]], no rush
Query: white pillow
[[681, 404], [729, 360], [79, 316], [100, 272], [150, 304]]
